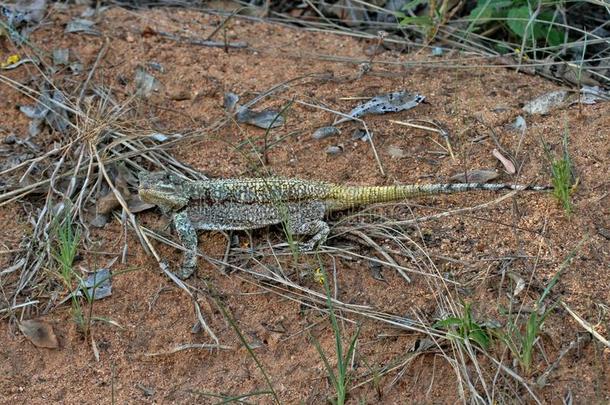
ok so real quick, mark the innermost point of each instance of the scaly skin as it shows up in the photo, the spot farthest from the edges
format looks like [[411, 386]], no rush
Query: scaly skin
[[343, 197], [239, 204]]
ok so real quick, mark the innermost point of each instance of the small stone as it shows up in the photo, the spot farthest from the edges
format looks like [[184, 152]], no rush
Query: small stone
[[156, 66], [334, 150], [325, 132], [358, 133], [180, 95]]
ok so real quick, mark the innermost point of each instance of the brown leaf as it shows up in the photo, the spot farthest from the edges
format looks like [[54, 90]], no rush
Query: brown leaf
[[40, 333], [107, 203], [507, 163], [136, 205]]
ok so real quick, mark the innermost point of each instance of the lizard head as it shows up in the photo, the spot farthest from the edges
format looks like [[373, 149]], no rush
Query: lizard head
[[163, 189]]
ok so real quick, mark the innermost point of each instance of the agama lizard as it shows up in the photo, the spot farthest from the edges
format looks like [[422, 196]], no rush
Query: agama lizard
[[245, 204]]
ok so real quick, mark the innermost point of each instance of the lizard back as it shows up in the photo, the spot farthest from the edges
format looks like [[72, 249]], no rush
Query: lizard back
[[257, 190]]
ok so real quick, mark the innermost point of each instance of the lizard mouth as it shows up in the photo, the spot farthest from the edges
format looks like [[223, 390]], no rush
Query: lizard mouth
[[160, 188]]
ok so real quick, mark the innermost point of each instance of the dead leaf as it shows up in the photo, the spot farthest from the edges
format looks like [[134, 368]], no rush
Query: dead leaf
[[543, 104], [507, 163], [519, 283], [384, 103], [82, 25], [325, 132], [263, 119], [475, 176], [396, 152], [98, 284], [146, 84], [40, 333], [107, 203], [136, 205]]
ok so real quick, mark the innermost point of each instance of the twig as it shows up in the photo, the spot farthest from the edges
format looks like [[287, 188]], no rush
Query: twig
[[542, 380], [202, 42], [100, 55], [190, 346], [438, 130], [378, 248], [586, 325]]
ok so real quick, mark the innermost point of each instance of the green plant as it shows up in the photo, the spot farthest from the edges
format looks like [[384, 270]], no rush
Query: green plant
[[376, 374], [266, 146], [67, 245], [519, 339], [341, 379], [562, 172], [228, 316], [67, 241], [528, 20], [465, 328], [437, 15]]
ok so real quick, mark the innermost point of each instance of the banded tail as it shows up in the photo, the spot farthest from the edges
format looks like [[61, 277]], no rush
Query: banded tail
[[344, 197]]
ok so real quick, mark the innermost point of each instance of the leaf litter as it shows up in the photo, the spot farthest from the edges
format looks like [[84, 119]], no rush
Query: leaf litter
[[110, 145], [265, 119], [384, 103], [39, 332]]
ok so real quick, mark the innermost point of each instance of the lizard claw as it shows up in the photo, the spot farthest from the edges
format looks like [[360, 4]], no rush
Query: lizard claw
[[186, 271]]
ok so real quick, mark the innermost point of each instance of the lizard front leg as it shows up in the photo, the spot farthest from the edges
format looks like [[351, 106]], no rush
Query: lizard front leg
[[188, 237]]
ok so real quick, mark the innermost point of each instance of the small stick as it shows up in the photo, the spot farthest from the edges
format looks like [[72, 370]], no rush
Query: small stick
[[586, 325], [202, 42], [439, 131], [190, 346], [224, 22], [100, 55]]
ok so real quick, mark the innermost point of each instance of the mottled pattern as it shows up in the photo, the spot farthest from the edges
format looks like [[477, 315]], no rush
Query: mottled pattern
[[239, 204], [255, 191]]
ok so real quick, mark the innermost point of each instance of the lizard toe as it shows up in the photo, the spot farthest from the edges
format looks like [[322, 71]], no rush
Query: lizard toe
[[186, 271]]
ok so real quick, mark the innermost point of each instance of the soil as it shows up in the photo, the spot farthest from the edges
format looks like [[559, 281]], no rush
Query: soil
[[527, 235]]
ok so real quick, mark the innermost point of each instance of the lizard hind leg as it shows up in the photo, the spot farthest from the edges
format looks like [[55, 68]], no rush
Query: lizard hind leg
[[317, 228], [188, 237]]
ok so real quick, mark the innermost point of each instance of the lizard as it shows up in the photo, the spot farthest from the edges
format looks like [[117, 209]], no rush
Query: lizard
[[251, 203]]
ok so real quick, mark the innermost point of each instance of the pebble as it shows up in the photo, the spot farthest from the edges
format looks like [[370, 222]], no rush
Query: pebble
[[334, 150], [325, 132]]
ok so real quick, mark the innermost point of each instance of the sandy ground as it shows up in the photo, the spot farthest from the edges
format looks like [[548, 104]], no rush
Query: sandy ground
[[527, 235]]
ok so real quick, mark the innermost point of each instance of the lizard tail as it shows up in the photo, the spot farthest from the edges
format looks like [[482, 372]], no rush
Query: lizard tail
[[347, 197]]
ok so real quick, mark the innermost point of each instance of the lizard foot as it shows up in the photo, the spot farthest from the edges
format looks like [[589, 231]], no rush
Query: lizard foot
[[306, 246], [319, 229], [186, 271]]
